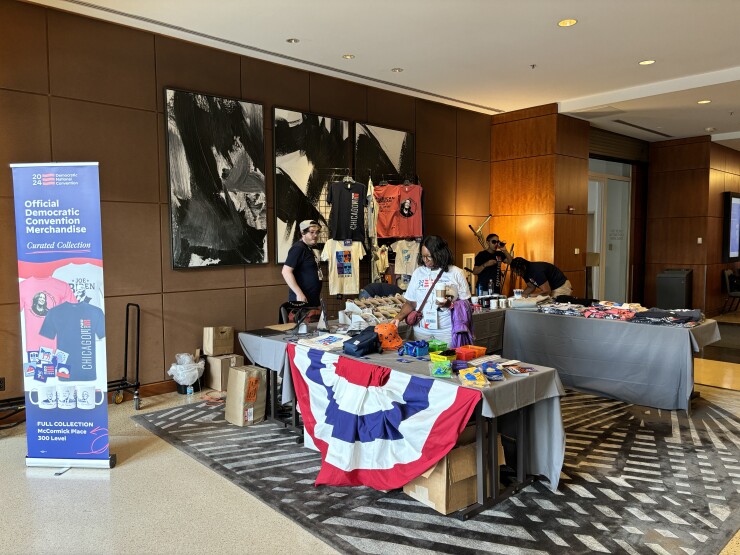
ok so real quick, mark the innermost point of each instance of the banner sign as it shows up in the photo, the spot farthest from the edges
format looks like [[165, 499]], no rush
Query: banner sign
[[60, 271]]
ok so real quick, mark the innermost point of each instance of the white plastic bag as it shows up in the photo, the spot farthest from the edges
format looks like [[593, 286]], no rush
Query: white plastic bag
[[185, 371]]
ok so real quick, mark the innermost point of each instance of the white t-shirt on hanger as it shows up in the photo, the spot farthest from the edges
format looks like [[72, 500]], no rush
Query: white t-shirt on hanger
[[407, 253], [344, 266]]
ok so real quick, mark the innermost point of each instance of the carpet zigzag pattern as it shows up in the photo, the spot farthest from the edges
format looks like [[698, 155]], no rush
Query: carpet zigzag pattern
[[636, 480]]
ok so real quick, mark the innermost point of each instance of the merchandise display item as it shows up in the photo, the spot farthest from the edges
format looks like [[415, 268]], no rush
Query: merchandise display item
[[449, 354], [473, 377], [435, 346], [441, 369], [388, 336], [416, 348], [463, 353]]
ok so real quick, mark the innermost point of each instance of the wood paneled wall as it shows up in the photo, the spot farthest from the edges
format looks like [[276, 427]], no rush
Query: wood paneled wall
[[78, 89], [687, 178], [539, 187]]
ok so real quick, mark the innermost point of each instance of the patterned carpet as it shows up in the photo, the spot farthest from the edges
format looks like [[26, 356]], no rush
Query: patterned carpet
[[636, 480]]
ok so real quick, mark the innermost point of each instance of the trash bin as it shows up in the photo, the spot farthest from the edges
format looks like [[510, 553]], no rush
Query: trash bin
[[673, 288]]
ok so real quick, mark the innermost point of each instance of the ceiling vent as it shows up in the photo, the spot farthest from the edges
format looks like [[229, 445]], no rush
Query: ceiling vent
[[641, 128], [598, 112]]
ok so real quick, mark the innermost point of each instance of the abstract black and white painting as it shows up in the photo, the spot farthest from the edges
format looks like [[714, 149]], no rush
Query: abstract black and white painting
[[310, 151], [384, 154], [216, 163]]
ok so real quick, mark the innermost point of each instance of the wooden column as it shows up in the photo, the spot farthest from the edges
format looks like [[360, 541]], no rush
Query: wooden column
[[539, 187]]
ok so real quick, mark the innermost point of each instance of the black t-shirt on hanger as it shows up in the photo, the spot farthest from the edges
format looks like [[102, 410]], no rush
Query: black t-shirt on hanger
[[347, 218]]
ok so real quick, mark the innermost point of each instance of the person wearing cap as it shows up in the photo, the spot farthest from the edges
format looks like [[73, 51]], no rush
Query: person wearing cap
[[301, 270]]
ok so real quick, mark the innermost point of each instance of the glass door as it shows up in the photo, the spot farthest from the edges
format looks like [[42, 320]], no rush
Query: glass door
[[615, 244]]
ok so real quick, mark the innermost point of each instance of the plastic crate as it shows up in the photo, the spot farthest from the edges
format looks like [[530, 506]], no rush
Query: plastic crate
[[437, 357], [463, 353], [479, 351], [436, 346]]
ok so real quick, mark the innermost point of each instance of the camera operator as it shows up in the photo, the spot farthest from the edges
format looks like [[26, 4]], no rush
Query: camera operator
[[488, 263]]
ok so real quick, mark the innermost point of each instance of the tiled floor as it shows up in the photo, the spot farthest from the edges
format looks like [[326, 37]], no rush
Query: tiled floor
[[156, 500]]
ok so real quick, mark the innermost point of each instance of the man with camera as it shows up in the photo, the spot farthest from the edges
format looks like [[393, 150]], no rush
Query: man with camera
[[488, 263]]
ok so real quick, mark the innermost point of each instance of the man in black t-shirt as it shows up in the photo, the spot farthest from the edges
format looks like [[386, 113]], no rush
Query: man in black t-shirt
[[487, 263], [542, 277], [301, 270]]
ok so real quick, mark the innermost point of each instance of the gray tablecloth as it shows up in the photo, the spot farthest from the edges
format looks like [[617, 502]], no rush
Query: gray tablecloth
[[637, 363], [540, 390]]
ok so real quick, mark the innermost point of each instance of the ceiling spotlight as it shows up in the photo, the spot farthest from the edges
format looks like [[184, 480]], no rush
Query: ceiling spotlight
[[567, 22], [646, 62], [292, 41], [710, 129], [703, 101], [348, 56], [397, 69]]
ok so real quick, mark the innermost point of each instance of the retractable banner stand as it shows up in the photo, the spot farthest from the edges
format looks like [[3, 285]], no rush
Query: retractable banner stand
[[60, 271]]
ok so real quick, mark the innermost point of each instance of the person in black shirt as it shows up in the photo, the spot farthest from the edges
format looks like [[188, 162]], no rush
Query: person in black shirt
[[542, 277], [301, 270], [487, 263]]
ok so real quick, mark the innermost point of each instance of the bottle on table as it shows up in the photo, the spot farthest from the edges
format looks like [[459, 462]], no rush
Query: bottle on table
[[490, 287]]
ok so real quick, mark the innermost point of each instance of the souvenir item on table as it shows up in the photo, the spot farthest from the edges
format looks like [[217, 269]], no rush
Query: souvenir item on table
[[364, 343], [388, 335], [325, 342], [473, 377], [436, 345], [416, 348], [449, 354], [440, 369]]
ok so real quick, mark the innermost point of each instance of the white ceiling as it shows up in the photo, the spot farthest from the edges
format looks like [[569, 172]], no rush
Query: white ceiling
[[490, 55]]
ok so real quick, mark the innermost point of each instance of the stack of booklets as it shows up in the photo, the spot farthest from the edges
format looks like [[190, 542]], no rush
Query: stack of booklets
[[325, 342]]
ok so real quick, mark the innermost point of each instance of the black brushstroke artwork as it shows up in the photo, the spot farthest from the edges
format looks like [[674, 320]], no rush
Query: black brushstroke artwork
[[384, 154], [216, 162], [308, 150]]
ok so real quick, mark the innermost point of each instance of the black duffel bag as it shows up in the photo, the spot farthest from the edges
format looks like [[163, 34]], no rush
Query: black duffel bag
[[363, 343]]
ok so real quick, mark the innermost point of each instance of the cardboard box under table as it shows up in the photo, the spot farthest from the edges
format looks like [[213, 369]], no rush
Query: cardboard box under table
[[217, 370], [246, 396], [451, 484]]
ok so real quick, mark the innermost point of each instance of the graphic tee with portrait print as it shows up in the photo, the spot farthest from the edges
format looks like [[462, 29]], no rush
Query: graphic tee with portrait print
[[37, 297], [344, 266]]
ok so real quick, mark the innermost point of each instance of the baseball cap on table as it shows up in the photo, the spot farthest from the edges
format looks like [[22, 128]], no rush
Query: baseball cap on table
[[305, 224]]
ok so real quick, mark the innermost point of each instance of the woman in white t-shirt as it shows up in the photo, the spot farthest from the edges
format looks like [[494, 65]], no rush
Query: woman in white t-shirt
[[434, 257]]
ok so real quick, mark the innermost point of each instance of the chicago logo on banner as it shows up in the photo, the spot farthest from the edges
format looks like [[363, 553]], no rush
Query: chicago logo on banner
[[62, 312]]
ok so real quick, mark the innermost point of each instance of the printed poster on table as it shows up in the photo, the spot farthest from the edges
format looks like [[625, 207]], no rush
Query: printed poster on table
[[62, 313]]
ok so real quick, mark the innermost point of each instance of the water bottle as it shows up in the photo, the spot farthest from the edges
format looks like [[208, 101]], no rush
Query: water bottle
[[490, 287], [189, 390]]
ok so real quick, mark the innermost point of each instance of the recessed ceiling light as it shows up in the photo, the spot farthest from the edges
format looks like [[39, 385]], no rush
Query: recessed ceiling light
[[292, 41], [710, 129], [646, 62], [397, 69], [348, 56], [567, 22], [703, 101]]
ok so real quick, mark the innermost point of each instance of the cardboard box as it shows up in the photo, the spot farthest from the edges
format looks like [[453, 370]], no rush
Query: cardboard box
[[451, 484], [217, 370], [246, 396], [218, 340]]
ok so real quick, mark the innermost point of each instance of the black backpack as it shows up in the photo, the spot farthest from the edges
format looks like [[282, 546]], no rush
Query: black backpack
[[363, 343]]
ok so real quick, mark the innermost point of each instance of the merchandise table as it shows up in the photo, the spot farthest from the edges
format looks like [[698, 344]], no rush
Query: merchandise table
[[636, 363], [534, 400]]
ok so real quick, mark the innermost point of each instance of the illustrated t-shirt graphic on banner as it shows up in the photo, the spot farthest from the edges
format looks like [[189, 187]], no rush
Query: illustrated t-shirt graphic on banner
[[344, 266], [38, 296], [76, 327], [347, 218], [86, 281], [407, 253], [60, 271]]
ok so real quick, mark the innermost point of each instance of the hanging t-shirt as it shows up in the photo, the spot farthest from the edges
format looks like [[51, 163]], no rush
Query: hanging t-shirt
[[434, 321], [344, 266], [382, 262], [372, 210], [86, 281], [76, 327], [347, 218], [407, 254], [37, 297], [409, 211], [388, 199]]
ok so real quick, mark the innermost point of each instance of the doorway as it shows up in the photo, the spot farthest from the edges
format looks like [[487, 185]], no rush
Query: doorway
[[608, 231]]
